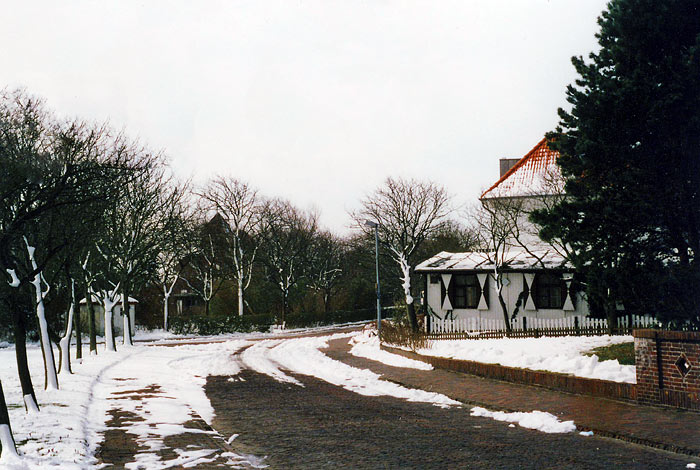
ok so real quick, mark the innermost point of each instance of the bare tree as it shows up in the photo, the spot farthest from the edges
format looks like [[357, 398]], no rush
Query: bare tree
[[240, 207], [206, 263], [408, 212], [287, 236], [505, 228], [325, 261], [499, 229]]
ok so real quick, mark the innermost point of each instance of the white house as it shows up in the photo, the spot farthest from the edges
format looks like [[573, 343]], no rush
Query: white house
[[117, 318], [535, 280]]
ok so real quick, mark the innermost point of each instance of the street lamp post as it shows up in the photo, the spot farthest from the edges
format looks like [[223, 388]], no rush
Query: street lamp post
[[375, 226]]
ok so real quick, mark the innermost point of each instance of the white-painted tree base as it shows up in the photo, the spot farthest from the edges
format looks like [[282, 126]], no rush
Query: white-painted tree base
[[9, 452], [30, 404]]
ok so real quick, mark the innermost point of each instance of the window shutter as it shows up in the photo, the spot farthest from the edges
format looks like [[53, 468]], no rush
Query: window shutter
[[483, 283], [568, 299], [529, 284], [446, 300]]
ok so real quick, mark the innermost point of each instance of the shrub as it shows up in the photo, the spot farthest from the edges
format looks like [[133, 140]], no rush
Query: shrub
[[399, 332]]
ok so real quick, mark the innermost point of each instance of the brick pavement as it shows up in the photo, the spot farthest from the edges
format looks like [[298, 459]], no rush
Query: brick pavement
[[669, 429], [199, 447]]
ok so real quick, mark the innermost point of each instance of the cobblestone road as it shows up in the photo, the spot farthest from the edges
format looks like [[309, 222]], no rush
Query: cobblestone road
[[322, 426]]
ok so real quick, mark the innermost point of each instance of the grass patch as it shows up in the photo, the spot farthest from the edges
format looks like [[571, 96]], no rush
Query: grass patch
[[623, 352]]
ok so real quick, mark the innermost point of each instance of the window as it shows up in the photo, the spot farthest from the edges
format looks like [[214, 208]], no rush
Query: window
[[549, 291], [465, 291], [435, 279]]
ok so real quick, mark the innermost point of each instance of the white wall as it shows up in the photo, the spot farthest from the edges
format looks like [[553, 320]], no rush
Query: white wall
[[118, 319], [510, 296]]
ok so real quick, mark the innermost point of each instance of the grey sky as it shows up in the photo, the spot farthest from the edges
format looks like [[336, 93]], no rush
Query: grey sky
[[315, 101]]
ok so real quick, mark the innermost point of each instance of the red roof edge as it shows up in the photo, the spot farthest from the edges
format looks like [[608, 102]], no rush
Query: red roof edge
[[514, 168]]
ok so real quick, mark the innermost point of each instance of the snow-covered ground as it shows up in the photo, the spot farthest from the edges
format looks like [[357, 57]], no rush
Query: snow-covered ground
[[67, 431], [563, 354]]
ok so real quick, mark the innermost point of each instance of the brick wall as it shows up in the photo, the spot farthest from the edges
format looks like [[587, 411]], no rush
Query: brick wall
[[676, 354]]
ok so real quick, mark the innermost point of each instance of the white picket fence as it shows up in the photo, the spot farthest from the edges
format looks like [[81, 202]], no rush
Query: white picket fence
[[532, 326]]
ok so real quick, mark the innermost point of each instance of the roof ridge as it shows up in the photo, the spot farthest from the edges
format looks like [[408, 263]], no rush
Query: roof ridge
[[515, 167]]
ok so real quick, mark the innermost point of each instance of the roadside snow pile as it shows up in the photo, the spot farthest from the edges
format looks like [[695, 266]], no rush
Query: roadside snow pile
[[303, 356], [538, 420], [366, 344], [563, 355]]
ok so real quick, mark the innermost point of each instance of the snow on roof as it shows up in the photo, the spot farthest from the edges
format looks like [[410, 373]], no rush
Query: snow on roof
[[537, 173], [515, 260]]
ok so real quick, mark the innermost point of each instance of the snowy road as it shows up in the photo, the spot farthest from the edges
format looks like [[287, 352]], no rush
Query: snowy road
[[301, 409], [283, 402]]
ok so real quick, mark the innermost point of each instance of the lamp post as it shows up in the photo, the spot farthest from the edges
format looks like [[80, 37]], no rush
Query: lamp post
[[375, 226]]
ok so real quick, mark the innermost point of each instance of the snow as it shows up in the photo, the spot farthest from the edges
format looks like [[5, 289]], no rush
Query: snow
[[586, 433], [169, 384], [539, 420], [67, 431], [562, 354], [690, 465], [303, 356], [366, 345]]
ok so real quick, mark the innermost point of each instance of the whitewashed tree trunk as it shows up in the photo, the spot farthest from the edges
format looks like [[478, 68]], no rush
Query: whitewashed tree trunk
[[109, 300], [126, 317], [7, 442], [64, 367], [166, 300], [405, 278], [167, 291], [51, 382], [240, 297]]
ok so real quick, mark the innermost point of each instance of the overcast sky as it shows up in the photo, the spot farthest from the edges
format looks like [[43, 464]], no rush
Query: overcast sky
[[314, 101]]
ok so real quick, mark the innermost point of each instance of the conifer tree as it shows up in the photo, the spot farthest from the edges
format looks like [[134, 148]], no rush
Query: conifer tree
[[630, 152]]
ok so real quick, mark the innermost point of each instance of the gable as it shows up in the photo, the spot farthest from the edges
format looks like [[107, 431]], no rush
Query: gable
[[536, 174]]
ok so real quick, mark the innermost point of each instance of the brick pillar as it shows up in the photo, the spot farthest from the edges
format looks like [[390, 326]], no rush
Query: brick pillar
[[668, 367]]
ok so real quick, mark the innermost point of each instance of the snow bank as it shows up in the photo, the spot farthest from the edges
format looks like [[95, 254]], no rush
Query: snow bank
[[539, 420], [366, 345], [563, 355], [303, 356]]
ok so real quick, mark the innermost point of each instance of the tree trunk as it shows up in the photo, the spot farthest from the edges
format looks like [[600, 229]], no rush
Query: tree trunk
[[611, 316], [51, 382], [412, 316], [109, 304], [25, 378], [326, 301], [91, 321], [206, 307], [64, 343], [166, 300], [240, 297], [285, 307], [504, 309], [7, 442], [127, 340], [78, 334]]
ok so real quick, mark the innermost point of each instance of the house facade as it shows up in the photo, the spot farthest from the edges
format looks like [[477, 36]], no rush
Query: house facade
[[517, 272]]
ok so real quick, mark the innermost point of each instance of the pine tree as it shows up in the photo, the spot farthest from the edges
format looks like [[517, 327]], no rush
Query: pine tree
[[630, 151]]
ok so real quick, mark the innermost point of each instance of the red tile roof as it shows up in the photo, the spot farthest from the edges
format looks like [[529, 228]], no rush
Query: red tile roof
[[536, 173]]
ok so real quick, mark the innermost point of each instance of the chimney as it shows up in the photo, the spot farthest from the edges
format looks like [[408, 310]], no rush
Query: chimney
[[506, 164]]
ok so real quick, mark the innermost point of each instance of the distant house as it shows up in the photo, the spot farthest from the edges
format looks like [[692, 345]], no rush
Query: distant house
[[117, 317], [536, 281]]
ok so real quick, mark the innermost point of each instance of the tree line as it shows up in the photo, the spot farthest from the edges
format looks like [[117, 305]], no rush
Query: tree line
[[90, 215]]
